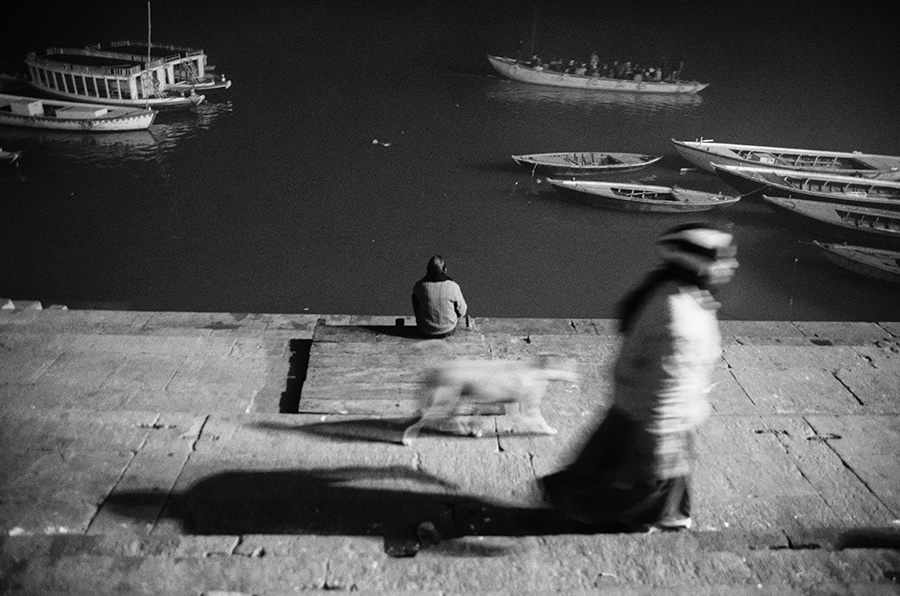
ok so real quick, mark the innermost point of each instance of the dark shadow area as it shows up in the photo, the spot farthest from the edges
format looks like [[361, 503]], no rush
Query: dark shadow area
[[408, 331], [510, 167], [298, 364], [886, 538], [381, 430], [344, 501], [367, 430]]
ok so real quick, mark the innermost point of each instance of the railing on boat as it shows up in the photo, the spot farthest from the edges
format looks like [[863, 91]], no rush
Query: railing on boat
[[185, 50], [877, 222], [57, 65]]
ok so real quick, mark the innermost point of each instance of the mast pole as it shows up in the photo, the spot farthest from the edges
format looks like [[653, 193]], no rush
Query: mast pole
[[149, 72], [534, 28]]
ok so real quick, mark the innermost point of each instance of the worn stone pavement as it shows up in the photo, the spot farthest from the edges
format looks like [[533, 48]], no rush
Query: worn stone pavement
[[210, 453]]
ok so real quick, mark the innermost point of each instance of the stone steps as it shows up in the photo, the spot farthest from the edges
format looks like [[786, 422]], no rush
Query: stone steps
[[684, 563]]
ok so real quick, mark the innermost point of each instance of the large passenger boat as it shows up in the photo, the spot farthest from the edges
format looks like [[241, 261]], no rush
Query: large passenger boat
[[124, 73]]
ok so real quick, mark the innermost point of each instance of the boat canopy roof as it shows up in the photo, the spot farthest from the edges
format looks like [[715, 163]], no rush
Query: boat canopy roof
[[117, 57]]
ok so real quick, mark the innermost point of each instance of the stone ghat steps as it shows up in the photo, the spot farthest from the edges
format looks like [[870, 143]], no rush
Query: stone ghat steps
[[692, 564], [160, 453]]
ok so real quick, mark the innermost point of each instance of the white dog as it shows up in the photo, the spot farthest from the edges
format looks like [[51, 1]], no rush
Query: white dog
[[461, 385]]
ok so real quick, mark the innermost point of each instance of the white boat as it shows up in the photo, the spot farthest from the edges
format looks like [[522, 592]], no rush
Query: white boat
[[52, 114], [641, 197], [865, 225], [197, 84], [703, 153], [124, 73], [814, 186], [873, 262], [519, 71], [583, 163]]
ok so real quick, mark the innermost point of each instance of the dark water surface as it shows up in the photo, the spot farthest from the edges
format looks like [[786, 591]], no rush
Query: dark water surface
[[360, 138]]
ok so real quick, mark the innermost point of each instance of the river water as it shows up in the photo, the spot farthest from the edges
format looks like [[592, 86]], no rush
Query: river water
[[358, 139]]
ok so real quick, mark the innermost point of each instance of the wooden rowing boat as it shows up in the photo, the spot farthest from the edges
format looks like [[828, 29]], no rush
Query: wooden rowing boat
[[519, 71], [864, 225], [873, 262], [53, 114], [813, 186], [583, 163], [704, 153], [641, 197]]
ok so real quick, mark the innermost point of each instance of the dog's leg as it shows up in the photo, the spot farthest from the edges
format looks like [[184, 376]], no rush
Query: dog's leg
[[443, 403], [531, 409]]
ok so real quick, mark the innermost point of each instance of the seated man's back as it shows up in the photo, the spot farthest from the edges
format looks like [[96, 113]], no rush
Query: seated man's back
[[437, 300]]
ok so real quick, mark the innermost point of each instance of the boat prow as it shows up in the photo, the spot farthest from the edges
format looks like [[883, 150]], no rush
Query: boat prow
[[872, 262]]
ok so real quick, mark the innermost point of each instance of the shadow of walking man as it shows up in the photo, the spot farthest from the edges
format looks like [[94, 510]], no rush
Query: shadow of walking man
[[408, 508]]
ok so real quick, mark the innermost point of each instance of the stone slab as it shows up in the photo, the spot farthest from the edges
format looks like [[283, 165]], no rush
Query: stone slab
[[796, 389]]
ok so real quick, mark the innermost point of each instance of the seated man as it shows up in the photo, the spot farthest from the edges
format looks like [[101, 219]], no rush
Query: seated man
[[437, 301]]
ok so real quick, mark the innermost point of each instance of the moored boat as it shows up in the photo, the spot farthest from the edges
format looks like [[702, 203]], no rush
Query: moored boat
[[582, 163], [519, 71], [814, 186], [703, 153], [205, 84], [641, 197], [873, 262], [865, 225], [124, 73], [52, 114]]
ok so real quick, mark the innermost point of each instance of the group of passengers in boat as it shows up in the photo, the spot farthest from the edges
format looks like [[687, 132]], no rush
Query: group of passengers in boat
[[668, 71]]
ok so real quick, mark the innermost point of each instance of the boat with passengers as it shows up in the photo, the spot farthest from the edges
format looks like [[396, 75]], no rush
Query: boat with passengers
[[124, 73], [526, 73]]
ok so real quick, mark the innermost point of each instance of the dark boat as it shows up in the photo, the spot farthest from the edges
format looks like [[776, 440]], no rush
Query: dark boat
[[872, 262], [864, 225]]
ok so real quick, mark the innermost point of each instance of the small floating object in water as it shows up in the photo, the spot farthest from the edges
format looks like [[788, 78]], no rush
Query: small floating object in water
[[686, 170]]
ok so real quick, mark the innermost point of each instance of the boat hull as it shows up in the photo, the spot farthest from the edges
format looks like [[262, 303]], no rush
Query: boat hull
[[752, 183], [583, 163], [871, 227], [517, 71], [127, 74], [47, 114], [637, 197], [168, 102], [202, 87], [705, 153], [872, 262]]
